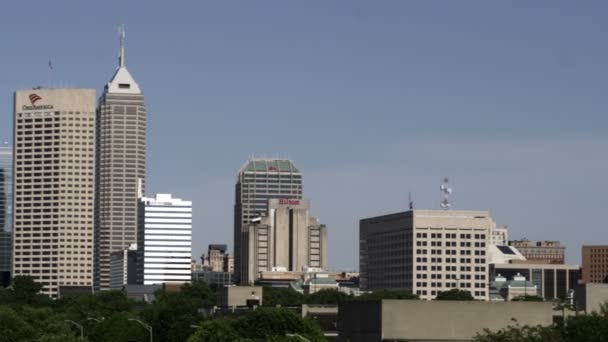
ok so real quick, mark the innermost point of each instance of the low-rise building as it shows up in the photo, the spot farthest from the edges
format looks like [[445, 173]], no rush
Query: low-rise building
[[590, 297], [503, 289], [553, 281], [446, 321], [541, 252], [234, 296]]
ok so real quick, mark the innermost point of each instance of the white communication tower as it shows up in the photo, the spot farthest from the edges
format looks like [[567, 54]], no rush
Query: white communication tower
[[446, 191]]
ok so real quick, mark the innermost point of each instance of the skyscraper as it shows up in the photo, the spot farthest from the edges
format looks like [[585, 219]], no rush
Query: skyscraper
[[258, 181], [121, 166], [6, 203], [54, 175], [165, 240]]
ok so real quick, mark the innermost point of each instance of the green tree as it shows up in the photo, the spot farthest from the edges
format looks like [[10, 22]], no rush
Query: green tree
[[217, 330], [387, 294], [454, 294], [328, 296], [13, 327], [265, 323], [520, 334], [284, 297]]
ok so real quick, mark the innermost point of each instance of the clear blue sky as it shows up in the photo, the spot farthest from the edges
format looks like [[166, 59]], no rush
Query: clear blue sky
[[370, 99]]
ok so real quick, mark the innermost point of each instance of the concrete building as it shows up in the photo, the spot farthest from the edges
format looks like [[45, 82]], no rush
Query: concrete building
[[502, 289], [595, 264], [218, 259], [123, 267], [234, 296], [165, 240], [6, 213], [426, 252], [500, 236], [121, 166], [590, 297], [54, 175], [445, 321], [541, 252], [259, 180], [288, 238], [552, 280]]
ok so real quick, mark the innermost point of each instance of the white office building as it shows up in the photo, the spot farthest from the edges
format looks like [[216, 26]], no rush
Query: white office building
[[165, 240]]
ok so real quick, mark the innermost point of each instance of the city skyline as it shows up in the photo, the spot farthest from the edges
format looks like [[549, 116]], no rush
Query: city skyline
[[515, 117]]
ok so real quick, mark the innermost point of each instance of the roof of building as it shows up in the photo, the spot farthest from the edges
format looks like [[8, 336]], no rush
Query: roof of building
[[269, 165], [321, 281]]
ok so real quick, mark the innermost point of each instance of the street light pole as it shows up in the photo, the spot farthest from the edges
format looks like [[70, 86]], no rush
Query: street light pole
[[98, 320], [79, 327], [298, 336], [146, 326]]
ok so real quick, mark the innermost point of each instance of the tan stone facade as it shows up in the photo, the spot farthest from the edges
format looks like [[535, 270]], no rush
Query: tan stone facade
[[54, 187], [288, 239]]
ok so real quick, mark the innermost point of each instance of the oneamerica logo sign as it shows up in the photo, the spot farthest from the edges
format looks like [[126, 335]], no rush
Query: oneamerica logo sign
[[33, 99]]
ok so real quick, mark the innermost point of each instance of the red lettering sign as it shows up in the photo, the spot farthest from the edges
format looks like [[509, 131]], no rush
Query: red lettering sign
[[286, 201]]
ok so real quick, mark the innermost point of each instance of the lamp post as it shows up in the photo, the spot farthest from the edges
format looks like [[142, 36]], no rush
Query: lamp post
[[145, 325], [79, 327], [98, 320], [298, 336]]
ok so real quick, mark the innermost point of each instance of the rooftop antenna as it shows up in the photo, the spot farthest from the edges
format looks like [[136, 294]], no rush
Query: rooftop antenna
[[121, 51], [409, 200], [446, 191]]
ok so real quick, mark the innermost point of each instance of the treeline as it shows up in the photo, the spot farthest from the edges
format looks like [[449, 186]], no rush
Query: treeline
[[26, 315]]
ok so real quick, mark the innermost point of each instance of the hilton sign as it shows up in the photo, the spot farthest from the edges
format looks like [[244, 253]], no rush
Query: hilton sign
[[286, 201]]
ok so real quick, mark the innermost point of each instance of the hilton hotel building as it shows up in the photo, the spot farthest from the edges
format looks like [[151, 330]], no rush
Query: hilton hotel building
[[54, 187], [287, 238], [426, 252]]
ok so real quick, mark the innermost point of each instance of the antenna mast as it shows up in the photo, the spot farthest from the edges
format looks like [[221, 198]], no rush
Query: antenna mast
[[446, 191], [121, 51]]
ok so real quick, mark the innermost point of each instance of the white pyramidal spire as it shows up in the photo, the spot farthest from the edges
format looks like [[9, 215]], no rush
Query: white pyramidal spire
[[122, 82]]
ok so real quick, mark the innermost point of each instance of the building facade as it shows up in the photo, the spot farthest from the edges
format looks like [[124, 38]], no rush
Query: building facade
[[288, 238], [54, 187], [426, 252], [165, 240], [121, 166], [259, 180], [552, 280], [124, 267], [500, 236], [595, 264], [218, 259], [6, 213], [541, 252]]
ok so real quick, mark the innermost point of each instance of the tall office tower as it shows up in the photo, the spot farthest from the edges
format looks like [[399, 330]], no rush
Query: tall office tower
[[541, 252], [54, 182], [165, 240], [258, 181], [121, 166], [6, 203], [426, 252], [287, 239], [595, 264]]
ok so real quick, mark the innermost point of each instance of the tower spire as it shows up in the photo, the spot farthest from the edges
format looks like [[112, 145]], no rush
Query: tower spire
[[121, 51]]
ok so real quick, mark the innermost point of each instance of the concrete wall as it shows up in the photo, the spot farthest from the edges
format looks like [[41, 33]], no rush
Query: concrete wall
[[417, 320], [238, 295], [589, 297]]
